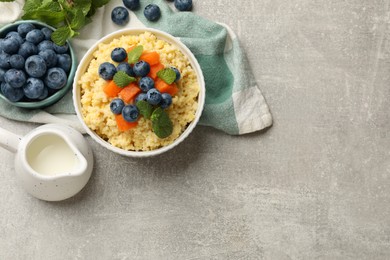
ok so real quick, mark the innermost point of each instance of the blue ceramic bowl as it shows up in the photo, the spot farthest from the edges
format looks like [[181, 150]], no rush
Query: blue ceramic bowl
[[60, 93]]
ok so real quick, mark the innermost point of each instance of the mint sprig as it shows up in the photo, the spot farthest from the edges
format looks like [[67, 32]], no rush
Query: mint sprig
[[168, 75], [144, 108], [134, 54], [121, 79], [161, 123], [68, 16]]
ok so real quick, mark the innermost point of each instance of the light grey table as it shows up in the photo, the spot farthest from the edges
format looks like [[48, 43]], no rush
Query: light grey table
[[313, 186]]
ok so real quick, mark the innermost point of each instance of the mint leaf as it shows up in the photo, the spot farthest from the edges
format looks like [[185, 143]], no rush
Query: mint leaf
[[121, 79], [96, 4], [78, 19], [50, 17], [60, 35], [31, 5], [144, 108], [168, 75], [134, 54], [83, 5], [161, 123], [73, 14]]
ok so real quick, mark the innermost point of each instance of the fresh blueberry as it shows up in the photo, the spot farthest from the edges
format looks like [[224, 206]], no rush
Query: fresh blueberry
[[2, 72], [61, 49], [152, 12], [45, 45], [33, 88], [17, 61], [64, 62], [15, 78], [27, 49], [178, 76], [24, 28], [116, 106], [183, 5], [131, 4], [146, 84], [124, 66], [120, 15], [15, 35], [35, 36], [154, 96], [55, 78], [166, 100], [118, 54], [45, 94], [47, 32], [4, 61], [12, 94], [141, 68], [130, 113], [35, 66], [50, 57], [10, 45], [107, 70], [141, 96]]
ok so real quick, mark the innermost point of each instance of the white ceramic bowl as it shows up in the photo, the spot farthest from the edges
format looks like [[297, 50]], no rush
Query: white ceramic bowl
[[83, 66]]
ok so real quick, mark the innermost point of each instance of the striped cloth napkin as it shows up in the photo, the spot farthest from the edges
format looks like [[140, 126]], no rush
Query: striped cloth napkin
[[234, 102]]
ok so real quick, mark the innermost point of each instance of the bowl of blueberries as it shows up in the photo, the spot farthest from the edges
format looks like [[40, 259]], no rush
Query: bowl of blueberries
[[34, 71]]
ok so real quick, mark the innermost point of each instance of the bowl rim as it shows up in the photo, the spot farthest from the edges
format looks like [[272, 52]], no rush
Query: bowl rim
[[85, 61], [60, 93]]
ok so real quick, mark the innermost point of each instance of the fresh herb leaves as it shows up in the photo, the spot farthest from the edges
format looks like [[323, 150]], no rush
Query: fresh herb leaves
[[68, 16], [161, 123], [168, 75], [121, 79], [134, 54], [145, 108]]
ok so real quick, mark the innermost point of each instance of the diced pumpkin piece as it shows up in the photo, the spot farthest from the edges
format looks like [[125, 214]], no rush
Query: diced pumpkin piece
[[128, 93], [152, 57], [111, 89], [123, 125], [154, 69], [164, 87]]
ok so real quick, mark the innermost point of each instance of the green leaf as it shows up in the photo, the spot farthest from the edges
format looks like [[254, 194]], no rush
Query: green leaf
[[78, 19], [49, 17], [31, 5], [83, 5], [96, 4], [134, 54], [168, 75], [60, 35], [51, 6], [7, 0], [69, 15], [144, 108], [161, 123], [99, 3], [121, 79]]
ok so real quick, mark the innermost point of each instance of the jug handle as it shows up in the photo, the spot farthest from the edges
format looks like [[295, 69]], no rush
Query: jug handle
[[9, 140]]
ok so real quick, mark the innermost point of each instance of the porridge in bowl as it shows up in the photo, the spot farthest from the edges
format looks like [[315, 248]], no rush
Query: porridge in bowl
[[143, 108]]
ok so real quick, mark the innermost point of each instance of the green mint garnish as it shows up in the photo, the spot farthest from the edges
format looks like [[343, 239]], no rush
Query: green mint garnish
[[161, 123], [168, 75], [134, 54], [144, 108], [68, 16], [121, 79]]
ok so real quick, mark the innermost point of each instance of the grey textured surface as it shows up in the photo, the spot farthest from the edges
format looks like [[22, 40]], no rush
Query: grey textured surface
[[314, 186]]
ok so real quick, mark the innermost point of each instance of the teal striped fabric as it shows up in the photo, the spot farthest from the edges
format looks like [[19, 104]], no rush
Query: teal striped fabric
[[234, 102]]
